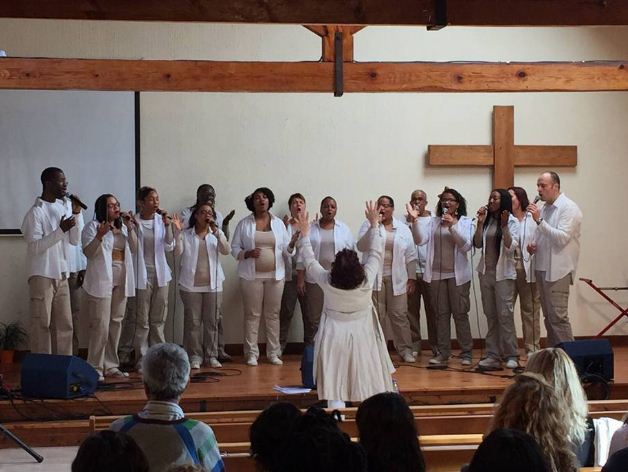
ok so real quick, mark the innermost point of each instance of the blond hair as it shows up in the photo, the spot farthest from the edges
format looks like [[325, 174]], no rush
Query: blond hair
[[557, 368], [531, 405]]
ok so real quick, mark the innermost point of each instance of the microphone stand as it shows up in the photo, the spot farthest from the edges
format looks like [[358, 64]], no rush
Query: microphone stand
[[21, 443]]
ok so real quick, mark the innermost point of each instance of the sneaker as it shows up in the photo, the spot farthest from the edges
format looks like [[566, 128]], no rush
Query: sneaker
[[489, 363], [465, 360], [512, 363], [213, 362], [101, 378], [195, 364], [274, 360], [251, 360], [224, 357], [115, 372], [438, 360], [416, 354], [407, 357]]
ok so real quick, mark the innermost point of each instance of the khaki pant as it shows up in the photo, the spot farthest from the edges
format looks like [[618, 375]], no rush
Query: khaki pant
[[151, 313], [289, 299], [79, 322], [414, 315], [530, 308], [555, 302], [450, 300], [314, 308], [498, 305], [51, 316], [395, 309], [127, 337], [105, 323], [200, 308], [261, 297]]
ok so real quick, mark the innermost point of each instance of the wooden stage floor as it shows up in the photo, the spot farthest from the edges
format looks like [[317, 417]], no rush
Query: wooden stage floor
[[240, 387]]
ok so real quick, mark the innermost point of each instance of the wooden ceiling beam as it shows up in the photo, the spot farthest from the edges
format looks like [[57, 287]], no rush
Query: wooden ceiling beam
[[210, 76], [327, 12]]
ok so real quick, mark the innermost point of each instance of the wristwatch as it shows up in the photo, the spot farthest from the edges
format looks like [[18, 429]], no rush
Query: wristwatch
[[539, 222]]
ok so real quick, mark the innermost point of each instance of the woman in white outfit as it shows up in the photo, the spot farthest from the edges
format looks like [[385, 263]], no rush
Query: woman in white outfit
[[108, 244], [526, 289], [497, 235], [200, 283], [351, 361], [259, 244]]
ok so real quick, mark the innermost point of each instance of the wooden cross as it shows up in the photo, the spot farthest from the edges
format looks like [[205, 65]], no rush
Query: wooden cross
[[503, 155]]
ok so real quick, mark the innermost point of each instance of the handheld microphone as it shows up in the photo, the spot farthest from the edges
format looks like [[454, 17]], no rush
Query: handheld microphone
[[161, 212], [536, 199], [76, 200], [445, 210]]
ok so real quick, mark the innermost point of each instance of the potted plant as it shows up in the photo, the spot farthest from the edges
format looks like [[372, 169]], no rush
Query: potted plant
[[12, 335]]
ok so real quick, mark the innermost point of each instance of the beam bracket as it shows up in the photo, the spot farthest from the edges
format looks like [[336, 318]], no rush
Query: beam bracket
[[338, 65], [440, 16]]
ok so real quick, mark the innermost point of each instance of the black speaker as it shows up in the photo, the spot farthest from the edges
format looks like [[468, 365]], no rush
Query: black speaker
[[591, 356], [54, 376], [307, 367]]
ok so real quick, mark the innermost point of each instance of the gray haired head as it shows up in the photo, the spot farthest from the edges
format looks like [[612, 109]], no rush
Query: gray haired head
[[166, 371]]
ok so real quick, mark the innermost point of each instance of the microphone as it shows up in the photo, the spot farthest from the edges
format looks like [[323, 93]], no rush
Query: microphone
[[76, 200], [161, 212], [536, 199], [445, 210]]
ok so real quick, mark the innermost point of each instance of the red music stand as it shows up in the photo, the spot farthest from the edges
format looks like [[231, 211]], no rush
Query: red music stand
[[600, 290]]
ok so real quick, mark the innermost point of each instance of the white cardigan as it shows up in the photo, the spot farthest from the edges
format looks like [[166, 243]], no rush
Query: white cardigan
[[187, 247], [506, 267], [343, 239], [98, 280], [161, 265], [424, 229], [404, 254], [244, 240]]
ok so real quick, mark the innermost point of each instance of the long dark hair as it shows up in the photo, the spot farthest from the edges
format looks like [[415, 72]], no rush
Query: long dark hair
[[346, 271], [389, 435], [101, 210], [195, 208], [505, 204], [462, 203], [522, 196]]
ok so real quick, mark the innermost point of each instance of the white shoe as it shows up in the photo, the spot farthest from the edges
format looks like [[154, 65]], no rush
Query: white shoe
[[465, 361], [408, 358], [115, 372], [512, 363], [213, 362], [488, 363], [438, 360], [251, 360], [195, 365], [274, 360]]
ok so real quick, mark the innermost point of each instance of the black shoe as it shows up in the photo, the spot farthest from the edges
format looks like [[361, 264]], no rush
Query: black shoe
[[224, 357]]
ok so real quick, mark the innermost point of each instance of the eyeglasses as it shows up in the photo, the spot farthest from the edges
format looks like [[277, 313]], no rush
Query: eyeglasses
[[113, 205], [448, 200]]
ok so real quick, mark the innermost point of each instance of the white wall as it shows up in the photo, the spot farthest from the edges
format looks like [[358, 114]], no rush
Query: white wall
[[358, 146]]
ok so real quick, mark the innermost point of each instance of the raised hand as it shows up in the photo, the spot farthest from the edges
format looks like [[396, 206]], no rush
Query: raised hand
[[504, 218], [165, 217], [413, 213], [302, 224], [481, 215], [447, 220], [129, 219], [535, 211], [103, 229], [176, 222], [372, 213], [227, 218], [66, 224]]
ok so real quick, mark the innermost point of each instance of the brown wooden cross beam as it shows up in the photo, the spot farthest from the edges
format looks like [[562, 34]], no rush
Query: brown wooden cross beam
[[503, 155]]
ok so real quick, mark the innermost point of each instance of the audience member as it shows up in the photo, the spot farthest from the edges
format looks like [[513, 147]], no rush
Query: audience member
[[618, 462], [165, 435], [507, 449], [531, 405], [269, 430], [388, 434], [109, 451]]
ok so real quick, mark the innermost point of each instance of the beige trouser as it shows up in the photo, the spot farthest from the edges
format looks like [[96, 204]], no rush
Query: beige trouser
[[414, 315], [289, 299], [314, 308], [200, 308], [261, 297], [105, 323], [555, 303], [51, 316], [79, 323], [127, 337], [395, 308], [151, 312], [530, 308], [451, 300]]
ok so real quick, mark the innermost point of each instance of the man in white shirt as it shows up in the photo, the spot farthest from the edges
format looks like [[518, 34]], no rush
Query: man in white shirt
[[556, 248], [49, 228]]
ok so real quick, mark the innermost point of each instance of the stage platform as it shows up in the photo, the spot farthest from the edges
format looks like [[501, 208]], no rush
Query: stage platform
[[239, 387]]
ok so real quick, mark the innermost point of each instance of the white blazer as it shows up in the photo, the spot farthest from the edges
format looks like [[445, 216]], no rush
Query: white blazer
[[244, 240], [99, 275], [404, 253], [506, 267], [187, 247], [161, 265], [424, 230], [343, 239]]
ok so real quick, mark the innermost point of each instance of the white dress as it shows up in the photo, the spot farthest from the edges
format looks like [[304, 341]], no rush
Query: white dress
[[351, 361]]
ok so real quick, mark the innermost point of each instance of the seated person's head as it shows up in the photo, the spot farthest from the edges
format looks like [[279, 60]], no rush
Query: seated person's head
[[618, 462], [108, 451], [166, 372], [531, 405], [269, 430], [388, 434], [508, 450], [346, 271], [317, 444]]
